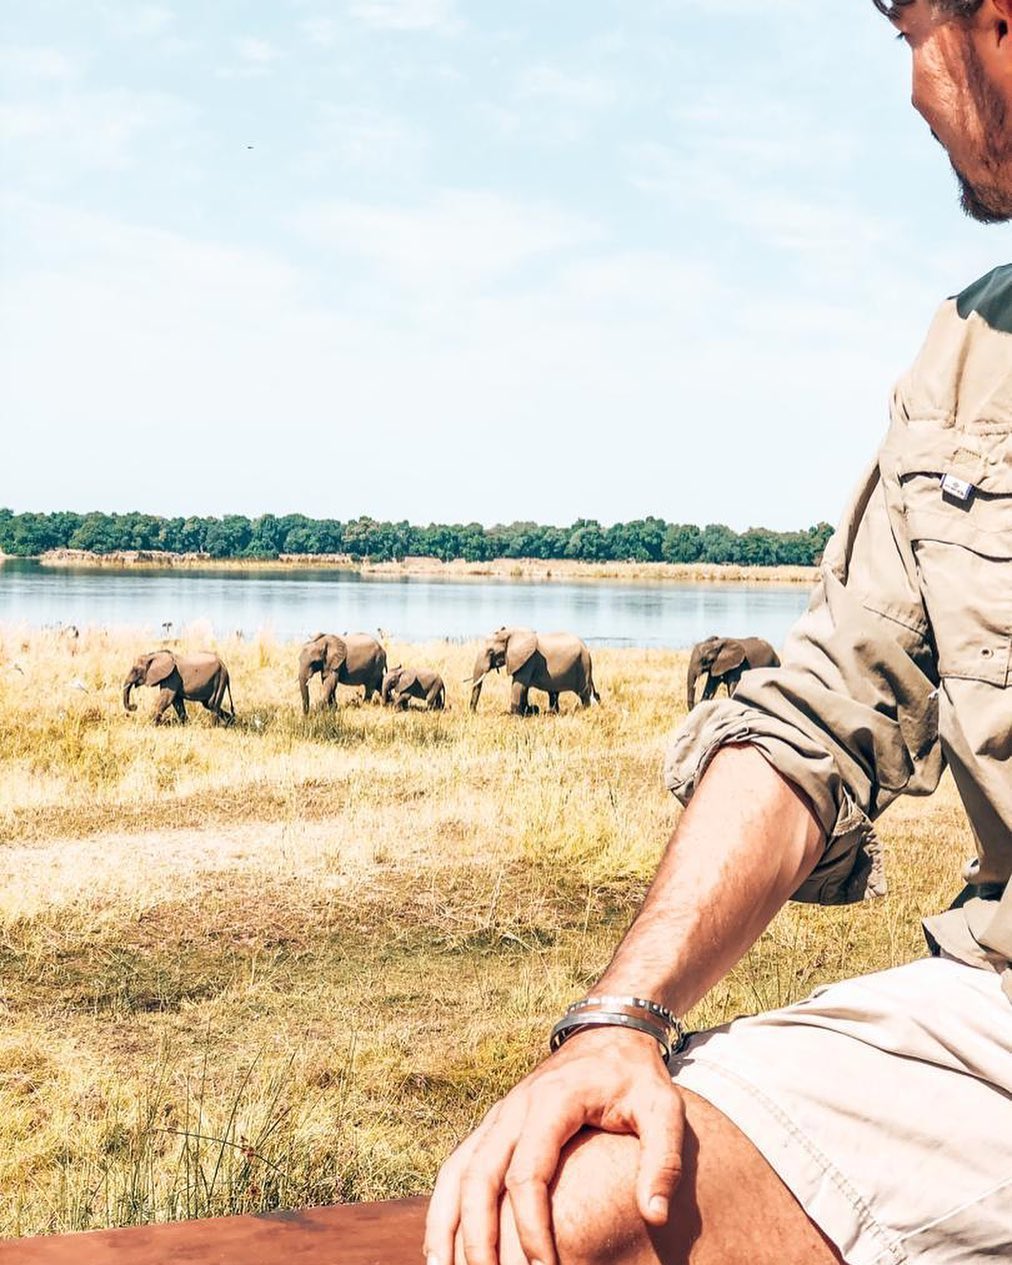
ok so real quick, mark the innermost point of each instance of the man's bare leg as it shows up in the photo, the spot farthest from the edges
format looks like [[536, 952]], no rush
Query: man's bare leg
[[729, 1209]]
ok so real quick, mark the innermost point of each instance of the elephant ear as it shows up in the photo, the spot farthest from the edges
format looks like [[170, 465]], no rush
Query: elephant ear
[[162, 665], [731, 657], [336, 655], [519, 649]]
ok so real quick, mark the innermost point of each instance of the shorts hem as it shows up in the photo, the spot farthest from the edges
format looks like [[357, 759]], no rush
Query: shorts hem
[[824, 1193]]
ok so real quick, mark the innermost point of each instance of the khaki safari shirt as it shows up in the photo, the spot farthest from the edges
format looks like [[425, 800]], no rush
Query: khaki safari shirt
[[901, 666]]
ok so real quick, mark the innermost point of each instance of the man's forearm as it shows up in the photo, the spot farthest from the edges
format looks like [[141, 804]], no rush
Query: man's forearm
[[744, 845]]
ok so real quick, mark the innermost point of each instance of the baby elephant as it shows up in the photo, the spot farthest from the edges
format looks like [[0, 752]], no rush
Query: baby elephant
[[201, 678], [402, 684]]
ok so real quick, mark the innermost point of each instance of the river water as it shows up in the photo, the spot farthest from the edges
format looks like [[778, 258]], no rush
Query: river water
[[296, 604]]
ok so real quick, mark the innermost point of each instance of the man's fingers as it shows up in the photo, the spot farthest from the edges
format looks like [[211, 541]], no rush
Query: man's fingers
[[660, 1122], [532, 1168], [481, 1184], [443, 1215]]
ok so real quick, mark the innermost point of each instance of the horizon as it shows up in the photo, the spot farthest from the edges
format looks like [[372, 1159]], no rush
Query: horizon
[[238, 537]]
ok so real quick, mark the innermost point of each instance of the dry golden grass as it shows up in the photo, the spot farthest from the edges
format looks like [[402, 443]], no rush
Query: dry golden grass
[[294, 961]]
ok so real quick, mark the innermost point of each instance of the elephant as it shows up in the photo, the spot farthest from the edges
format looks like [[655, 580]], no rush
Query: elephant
[[401, 684], [724, 659], [199, 678], [355, 659], [553, 662]]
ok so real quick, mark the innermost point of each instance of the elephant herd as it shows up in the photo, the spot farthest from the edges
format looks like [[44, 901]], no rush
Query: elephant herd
[[551, 662]]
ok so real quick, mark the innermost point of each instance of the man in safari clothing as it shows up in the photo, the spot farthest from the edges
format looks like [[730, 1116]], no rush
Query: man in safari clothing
[[871, 1123]]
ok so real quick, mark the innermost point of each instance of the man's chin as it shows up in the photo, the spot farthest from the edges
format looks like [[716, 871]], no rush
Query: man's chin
[[986, 205]]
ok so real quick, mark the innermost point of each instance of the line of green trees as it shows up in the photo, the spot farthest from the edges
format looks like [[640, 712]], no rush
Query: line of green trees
[[235, 536]]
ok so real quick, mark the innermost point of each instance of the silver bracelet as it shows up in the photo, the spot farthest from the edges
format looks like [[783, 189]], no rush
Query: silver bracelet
[[637, 1013]]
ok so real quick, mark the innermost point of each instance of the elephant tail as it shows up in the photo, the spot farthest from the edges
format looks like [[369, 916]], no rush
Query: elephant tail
[[593, 688]]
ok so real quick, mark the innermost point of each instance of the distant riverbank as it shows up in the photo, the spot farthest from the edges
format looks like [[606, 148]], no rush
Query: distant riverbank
[[459, 569]]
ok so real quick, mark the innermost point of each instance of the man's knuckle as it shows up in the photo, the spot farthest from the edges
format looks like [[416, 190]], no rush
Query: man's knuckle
[[521, 1179], [475, 1180], [476, 1250]]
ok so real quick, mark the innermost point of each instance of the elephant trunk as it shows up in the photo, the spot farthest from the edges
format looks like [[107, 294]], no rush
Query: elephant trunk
[[304, 690], [130, 707], [481, 669], [694, 666]]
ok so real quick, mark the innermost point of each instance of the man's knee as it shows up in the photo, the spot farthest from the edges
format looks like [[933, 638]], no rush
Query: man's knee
[[594, 1215], [730, 1207]]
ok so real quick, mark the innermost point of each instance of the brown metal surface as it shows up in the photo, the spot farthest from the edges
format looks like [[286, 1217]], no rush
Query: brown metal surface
[[351, 1234]]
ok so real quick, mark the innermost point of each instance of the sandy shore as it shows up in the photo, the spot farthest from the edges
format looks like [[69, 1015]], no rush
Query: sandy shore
[[498, 568]]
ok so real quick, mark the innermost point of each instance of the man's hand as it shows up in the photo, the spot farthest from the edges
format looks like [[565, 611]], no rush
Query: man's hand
[[746, 842], [605, 1078]]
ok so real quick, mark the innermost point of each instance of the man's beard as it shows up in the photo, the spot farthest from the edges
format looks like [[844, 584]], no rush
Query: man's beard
[[988, 199]]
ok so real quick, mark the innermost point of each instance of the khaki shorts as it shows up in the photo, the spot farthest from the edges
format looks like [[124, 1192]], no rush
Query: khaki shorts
[[885, 1105]]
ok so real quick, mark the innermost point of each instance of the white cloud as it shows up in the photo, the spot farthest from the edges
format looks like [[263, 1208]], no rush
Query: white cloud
[[34, 64], [818, 230], [322, 31], [374, 140], [256, 57], [140, 19], [257, 52], [583, 91], [88, 130], [405, 15], [459, 240]]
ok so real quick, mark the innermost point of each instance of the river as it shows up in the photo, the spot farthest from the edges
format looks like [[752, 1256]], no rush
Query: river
[[295, 604]]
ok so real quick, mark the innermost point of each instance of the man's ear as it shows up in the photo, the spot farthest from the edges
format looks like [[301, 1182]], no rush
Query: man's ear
[[999, 20]]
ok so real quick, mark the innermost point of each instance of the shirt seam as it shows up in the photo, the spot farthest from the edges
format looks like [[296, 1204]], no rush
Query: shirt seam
[[935, 1222]]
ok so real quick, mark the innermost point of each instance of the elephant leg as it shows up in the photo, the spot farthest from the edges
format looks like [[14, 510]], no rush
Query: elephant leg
[[434, 699], [165, 700], [217, 703], [177, 703], [553, 702], [329, 690], [587, 696], [402, 701], [710, 688], [217, 714], [518, 698]]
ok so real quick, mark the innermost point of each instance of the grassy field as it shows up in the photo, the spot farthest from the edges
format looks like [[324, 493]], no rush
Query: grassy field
[[293, 961]]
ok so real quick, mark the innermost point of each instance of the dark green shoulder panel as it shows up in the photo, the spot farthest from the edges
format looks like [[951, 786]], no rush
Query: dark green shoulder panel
[[990, 298]]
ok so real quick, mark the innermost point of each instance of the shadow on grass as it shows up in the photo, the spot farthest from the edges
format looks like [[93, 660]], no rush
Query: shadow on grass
[[351, 726]]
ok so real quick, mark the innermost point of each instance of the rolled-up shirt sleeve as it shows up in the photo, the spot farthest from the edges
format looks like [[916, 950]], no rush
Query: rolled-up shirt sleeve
[[851, 716]]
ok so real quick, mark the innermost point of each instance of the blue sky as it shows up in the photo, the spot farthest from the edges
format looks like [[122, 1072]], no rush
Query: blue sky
[[455, 260]]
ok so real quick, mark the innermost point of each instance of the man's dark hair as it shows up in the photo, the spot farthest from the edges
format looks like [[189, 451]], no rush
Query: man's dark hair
[[957, 8]]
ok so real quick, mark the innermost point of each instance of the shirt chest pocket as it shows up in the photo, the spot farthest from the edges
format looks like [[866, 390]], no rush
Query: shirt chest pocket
[[962, 543]]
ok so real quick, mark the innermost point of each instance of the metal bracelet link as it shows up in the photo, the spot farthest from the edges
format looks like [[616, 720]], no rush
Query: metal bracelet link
[[637, 1013]]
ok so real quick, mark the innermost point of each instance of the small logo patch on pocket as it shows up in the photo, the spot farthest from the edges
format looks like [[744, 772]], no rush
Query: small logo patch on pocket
[[959, 489]]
